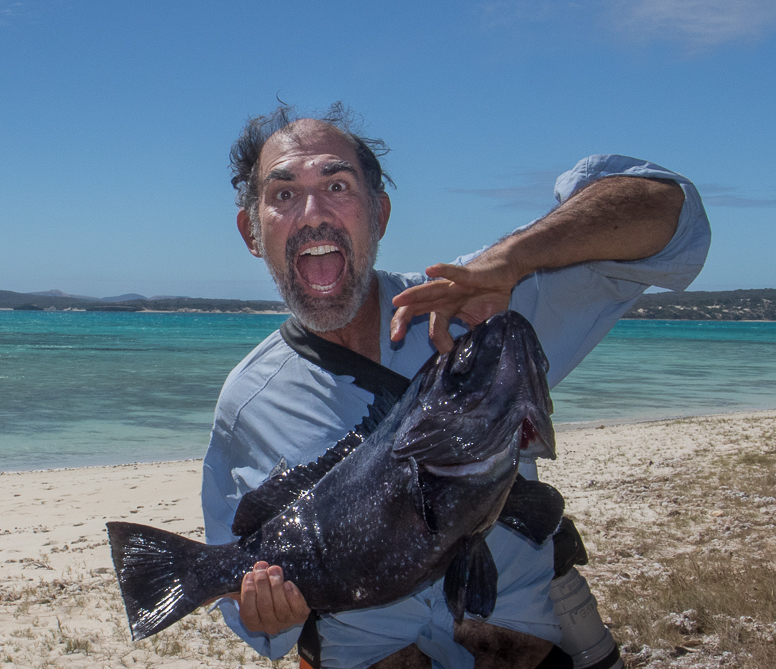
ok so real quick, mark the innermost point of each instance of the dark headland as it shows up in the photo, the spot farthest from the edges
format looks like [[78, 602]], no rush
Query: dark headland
[[728, 305], [58, 301]]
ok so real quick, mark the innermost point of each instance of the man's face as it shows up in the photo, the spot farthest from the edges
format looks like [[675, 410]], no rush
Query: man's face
[[319, 233]]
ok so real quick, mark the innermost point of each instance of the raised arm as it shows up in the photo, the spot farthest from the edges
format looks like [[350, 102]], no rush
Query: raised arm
[[614, 218]]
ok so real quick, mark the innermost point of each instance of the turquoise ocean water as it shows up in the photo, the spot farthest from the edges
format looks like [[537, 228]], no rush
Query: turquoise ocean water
[[85, 388]]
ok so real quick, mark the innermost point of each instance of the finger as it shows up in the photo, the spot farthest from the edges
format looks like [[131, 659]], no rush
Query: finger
[[297, 602], [439, 332], [248, 610], [280, 604], [399, 323], [440, 270], [263, 598], [404, 315], [432, 290]]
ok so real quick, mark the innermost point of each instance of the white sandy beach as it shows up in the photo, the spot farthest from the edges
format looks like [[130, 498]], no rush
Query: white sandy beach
[[59, 602]]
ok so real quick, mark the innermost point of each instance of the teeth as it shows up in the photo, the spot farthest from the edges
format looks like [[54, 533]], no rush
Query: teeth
[[320, 250], [317, 287]]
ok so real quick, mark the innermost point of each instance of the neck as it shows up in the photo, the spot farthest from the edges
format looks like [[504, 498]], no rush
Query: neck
[[362, 334]]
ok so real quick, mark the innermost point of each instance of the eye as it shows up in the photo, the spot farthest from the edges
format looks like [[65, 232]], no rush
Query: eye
[[337, 187], [284, 195]]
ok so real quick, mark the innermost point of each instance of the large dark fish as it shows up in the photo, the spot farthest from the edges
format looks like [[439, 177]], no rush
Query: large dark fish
[[373, 522]]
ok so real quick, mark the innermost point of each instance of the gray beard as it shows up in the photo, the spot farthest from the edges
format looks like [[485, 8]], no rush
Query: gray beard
[[326, 313]]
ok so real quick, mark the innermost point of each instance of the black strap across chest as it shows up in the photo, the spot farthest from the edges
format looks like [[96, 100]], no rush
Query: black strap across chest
[[366, 373]]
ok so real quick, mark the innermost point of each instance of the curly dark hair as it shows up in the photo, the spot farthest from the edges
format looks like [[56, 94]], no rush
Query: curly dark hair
[[245, 152]]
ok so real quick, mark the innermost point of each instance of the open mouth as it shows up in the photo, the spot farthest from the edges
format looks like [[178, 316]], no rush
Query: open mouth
[[321, 266]]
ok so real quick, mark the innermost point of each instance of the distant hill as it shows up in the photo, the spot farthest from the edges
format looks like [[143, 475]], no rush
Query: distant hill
[[58, 301], [697, 305], [59, 293], [117, 298], [124, 298], [202, 304], [728, 305]]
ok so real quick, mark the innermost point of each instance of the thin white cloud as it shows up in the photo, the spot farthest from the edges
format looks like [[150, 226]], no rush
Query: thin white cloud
[[696, 24], [535, 188], [534, 192], [10, 10], [716, 195]]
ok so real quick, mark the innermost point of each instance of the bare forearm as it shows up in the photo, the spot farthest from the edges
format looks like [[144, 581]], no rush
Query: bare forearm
[[617, 218]]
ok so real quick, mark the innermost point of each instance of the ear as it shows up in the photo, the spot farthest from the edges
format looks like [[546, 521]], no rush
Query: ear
[[385, 212], [245, 227]]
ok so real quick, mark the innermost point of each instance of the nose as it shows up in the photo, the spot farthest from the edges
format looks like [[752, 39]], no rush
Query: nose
[[314, 212]]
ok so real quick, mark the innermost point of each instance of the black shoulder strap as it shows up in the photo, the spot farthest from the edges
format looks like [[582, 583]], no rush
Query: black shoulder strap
[[341, 361], [367, 374]]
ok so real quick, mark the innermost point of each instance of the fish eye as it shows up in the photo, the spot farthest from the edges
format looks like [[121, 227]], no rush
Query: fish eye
[[463, 360]]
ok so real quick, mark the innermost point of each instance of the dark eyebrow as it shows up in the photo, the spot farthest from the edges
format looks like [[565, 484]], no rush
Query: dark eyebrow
[[279, 174], [332, 168]]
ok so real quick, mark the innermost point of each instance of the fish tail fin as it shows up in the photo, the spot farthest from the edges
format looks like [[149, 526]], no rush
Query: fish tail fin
[[164, 576]]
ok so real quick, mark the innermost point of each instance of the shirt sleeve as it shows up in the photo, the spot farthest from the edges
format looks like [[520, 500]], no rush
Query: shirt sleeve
[[677, 265], [275, 411], [573, 308], [218, 514]]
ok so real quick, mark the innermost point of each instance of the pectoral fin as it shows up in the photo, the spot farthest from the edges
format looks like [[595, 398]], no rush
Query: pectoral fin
[[419, 485], [533, 508], [471, 581]]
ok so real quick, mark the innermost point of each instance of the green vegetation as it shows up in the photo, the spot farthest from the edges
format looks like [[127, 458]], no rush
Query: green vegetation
[[728, 305], [11, 300]]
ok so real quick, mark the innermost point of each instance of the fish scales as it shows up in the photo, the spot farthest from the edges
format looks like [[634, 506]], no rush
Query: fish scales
[[385, 518]]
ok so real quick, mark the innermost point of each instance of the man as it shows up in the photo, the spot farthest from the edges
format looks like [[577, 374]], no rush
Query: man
[[313, 205]]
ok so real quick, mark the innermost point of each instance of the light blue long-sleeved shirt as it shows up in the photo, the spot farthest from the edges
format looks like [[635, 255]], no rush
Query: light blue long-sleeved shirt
[[277, 410]]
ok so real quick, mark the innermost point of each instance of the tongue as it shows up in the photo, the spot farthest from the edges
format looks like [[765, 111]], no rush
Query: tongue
[[321, 270]]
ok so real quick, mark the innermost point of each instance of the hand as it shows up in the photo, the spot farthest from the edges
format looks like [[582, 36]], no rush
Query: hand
[[471, 293], [268, 603]]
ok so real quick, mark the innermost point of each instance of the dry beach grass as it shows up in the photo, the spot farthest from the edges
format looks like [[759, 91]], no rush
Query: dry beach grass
[[678, 517]]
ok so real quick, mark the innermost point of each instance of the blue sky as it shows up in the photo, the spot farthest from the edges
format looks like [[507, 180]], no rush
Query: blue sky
[[116, 121]]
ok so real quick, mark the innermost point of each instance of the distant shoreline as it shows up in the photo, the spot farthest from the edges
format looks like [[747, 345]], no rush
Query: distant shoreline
[[756, 305], [271, 312], [262, 312]]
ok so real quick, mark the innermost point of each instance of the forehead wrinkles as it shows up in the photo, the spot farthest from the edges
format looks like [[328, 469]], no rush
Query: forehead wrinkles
[[305, 137]]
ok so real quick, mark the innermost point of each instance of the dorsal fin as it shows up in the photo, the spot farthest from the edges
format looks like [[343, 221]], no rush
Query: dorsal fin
[[281, 491]]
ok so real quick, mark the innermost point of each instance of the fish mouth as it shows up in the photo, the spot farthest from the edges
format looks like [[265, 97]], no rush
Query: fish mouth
[[321, 266], [473, 468], [488, 392]]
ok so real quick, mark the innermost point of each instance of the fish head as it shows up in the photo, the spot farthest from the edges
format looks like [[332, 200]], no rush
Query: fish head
[[486, 397]]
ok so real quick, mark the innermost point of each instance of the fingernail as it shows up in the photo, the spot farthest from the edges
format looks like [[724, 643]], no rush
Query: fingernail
[[290, 587]]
